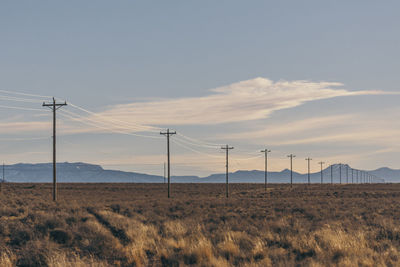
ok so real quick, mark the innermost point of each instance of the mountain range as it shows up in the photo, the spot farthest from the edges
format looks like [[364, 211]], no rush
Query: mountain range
[[90, 173]]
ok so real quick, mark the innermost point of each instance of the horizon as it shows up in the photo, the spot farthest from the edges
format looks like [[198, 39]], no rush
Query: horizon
[[218, 173], [254, 81]]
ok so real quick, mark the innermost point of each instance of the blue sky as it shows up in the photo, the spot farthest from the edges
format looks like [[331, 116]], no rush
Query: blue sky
[[206, 69]]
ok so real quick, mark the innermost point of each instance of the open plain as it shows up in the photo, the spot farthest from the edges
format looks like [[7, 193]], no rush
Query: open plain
[[137, 225]]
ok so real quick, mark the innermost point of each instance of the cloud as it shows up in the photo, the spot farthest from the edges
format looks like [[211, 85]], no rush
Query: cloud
[[366, 128], [242, 101], [23, 127], [288, 129]]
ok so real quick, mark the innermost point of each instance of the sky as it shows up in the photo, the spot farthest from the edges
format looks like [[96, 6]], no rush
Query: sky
[[316, 79]]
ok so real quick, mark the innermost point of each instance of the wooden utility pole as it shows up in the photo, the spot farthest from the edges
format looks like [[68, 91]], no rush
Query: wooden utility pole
[[54, 107], [266, 151], [2, 181], [164, 173], [168, 134], [352, 176], [309, 159], [291, 156], [322, 178], [357, 176], [227, 148]]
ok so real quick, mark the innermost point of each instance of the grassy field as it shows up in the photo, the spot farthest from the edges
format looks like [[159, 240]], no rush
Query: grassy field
[[137, 225]]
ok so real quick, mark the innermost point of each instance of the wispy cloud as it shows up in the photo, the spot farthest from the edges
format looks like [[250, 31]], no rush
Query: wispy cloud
[[22, 127], [365, 128], [243, 101], [280, 130]]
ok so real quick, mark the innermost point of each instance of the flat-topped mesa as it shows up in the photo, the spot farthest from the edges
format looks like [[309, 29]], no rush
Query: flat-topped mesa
[[62, 166]]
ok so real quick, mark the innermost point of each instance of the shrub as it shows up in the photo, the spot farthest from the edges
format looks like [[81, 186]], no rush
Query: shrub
[[60, 236]]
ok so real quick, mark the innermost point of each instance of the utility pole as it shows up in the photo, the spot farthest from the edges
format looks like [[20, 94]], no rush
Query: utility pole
[[352, 176], [340, 173], [357, 176], [2, 181], [54, 107], [308, 159], [331, 174], [168, 134], [266, 151], [227, 148], [322, 163], [164, 173], [291, 156]]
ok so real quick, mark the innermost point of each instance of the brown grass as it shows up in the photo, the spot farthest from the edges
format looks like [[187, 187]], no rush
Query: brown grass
[[136, 225]]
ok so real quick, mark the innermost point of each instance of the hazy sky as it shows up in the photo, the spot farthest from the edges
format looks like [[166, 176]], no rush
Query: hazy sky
[[314, 78]]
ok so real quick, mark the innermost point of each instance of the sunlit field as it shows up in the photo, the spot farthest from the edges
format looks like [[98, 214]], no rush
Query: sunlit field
[[137, 225]]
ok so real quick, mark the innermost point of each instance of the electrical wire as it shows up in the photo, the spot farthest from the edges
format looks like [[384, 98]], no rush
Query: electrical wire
[[24, 94], [21, 108], [199, 141], [95, 123], [144, 128], [25, 139], [256, 157], [107, 128], [18, 99], [194, 150], [196, 144]]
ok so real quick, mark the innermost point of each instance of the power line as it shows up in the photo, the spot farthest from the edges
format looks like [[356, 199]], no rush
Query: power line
[[194, 150], [308, 174], [54, 107], [291, 156], [322, 177], [164, 173], [145, 128], [196, 144], [24, 94], [227, 148], [168, 134], [21, 108], [117, 125], [94, 124], [19, 99], [266, 151], [2, 181], [24, 139], [199, 141]]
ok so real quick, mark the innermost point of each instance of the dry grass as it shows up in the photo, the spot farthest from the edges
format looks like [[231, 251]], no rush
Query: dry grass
[[136, 225]]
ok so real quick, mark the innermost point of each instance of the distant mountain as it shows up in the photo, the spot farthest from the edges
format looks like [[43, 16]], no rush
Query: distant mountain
[[390, 175], [89, 173], [73, 173]]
